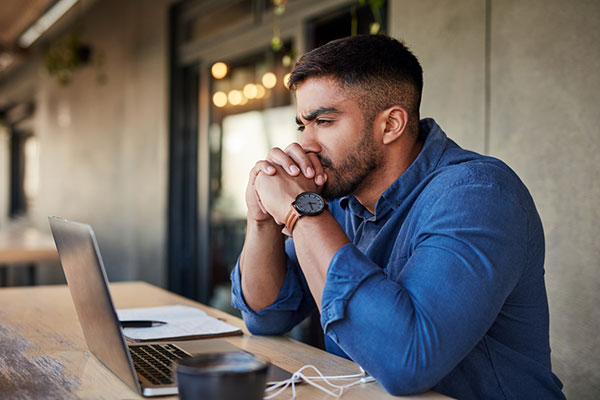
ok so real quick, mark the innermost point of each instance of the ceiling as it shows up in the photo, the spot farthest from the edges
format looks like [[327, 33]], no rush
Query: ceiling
[[16, 16]]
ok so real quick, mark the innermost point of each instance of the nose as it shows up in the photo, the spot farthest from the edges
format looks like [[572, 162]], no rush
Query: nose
[[309, 142]]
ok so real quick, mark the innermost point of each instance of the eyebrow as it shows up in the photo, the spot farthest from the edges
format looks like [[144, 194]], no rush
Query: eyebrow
[[319, 111]]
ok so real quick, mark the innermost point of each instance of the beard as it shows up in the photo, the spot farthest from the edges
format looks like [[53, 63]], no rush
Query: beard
[[343, 178]]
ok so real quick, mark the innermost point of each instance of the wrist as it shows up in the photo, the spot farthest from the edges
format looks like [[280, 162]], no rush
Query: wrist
[[284, 208], [307, 226], [306, 204], [262, 226]]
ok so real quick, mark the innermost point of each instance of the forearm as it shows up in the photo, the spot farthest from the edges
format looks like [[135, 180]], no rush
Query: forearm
[[262, 264], [317, 239]]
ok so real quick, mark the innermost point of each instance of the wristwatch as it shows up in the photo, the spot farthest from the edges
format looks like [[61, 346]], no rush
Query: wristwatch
[[306, 203]]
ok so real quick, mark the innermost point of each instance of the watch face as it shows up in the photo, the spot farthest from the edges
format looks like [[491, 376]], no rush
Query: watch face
[[309, 203]]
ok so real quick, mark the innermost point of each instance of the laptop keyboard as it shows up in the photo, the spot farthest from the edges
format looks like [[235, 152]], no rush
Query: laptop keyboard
[[155, 362]]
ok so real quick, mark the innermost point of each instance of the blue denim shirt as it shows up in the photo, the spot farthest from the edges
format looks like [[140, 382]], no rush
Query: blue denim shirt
[[443, 288]]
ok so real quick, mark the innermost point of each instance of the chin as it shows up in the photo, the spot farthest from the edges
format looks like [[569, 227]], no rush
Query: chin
[[330, 194]]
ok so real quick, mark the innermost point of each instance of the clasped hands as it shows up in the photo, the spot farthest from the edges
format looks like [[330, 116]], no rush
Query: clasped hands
[[275, 182]]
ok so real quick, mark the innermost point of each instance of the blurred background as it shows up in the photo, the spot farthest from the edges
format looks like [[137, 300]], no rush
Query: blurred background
[[143, 119]]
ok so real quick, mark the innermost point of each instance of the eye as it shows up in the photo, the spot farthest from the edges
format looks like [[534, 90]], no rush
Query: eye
[[300, 128], [323, 121]]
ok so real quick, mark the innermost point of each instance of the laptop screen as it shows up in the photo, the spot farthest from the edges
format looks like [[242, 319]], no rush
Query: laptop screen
[[86, 277]]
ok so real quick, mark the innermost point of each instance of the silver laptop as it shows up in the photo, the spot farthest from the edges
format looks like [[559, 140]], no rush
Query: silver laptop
[[146, 368]]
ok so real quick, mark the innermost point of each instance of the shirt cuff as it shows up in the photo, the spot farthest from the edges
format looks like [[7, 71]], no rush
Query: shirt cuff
[[288, 299], [348, 269]]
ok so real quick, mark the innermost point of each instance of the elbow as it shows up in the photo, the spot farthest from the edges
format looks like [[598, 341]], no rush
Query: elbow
[[262, 330], [407, 381], [263, 327], [402, 387]]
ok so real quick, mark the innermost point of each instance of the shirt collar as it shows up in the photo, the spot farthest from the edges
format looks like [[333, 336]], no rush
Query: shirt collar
[[435, 141]]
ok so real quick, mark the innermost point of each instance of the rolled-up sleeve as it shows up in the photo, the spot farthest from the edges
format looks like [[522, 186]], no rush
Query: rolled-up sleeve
[[342, 282]]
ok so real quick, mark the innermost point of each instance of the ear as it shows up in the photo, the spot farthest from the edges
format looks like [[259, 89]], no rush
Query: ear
[[393, 123]]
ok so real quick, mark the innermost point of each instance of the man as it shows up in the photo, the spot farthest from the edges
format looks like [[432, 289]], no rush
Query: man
[[427, 263]]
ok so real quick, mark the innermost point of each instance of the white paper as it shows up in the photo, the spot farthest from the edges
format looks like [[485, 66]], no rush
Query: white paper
[[180, 321]]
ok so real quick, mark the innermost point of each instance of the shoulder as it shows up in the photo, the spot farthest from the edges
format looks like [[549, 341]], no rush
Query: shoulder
[[477, 191], [472, 173]]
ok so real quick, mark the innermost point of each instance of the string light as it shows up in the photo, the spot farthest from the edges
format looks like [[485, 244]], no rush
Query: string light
[[235, 97], [260, 91], [250, 91], [220, 99], [219, 70], [286, 79], [269, 80]]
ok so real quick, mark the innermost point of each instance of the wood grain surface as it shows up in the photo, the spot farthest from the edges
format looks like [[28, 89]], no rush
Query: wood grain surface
[[43, 353]]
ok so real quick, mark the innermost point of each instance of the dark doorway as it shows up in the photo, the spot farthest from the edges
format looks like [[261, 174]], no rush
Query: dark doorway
[[182, 224]]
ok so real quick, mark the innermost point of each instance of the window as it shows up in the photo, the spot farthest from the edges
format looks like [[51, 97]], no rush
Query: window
[[250, 113]]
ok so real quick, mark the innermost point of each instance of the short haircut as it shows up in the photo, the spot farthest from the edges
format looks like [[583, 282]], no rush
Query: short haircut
[[377, 71]]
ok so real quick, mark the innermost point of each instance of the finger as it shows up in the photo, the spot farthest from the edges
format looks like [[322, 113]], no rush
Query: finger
[[260, 204], [320, 175], [261, 166], [279, 157], [301, 157]]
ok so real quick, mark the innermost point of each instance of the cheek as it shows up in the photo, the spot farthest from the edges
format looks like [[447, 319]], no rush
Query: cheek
[[338, 141], [344, 139]]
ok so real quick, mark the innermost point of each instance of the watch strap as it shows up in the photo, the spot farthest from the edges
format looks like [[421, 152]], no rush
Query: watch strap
[[291, 218]]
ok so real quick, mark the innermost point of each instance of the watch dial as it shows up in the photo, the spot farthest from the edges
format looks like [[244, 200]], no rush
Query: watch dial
[[309, 203]]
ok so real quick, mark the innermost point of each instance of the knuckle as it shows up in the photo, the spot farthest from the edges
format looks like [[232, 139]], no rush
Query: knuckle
[[275, 151], [256, 168], [291, 146]]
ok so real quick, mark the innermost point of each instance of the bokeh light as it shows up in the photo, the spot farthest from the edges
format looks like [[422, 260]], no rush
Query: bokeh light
[[260, 91], [269, 80], [219, 70], [220, 99], [250, 91], [235, 97], [286, 60]]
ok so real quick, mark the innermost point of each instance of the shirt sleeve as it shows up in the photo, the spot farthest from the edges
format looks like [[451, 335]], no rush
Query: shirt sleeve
[[411, 330], [293, 303]]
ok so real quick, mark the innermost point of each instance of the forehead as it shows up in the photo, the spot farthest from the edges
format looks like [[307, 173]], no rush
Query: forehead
[[321, 93]]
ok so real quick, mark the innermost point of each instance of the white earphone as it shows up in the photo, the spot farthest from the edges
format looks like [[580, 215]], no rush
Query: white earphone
[[283, 385]]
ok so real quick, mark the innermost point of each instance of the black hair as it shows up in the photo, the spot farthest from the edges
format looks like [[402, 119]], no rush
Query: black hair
[[377, 71]]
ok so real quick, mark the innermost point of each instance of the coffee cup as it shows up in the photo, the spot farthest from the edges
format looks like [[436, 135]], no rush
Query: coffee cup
[[222, 376]]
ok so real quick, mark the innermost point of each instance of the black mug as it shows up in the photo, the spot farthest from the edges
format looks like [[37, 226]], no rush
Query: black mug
[[222, 376]]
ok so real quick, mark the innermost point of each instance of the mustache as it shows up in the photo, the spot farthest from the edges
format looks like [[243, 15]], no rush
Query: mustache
[[325, 162]]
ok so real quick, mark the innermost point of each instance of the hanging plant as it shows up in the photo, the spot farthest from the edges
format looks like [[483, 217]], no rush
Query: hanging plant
[[276, 42], [67, 54], [375, 6]]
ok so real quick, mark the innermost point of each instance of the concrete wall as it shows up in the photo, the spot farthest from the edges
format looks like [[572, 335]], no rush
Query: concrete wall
[[448, 37], [542, 86], [545, 123], [103, 147]]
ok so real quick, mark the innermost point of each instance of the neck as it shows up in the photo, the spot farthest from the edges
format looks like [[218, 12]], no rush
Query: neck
[[395, 162]]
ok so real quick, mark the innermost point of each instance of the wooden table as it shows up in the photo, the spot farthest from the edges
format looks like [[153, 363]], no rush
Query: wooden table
[[43, 353], [24, 246]]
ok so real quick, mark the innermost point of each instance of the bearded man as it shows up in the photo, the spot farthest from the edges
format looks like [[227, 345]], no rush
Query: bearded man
[[424, 260]]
